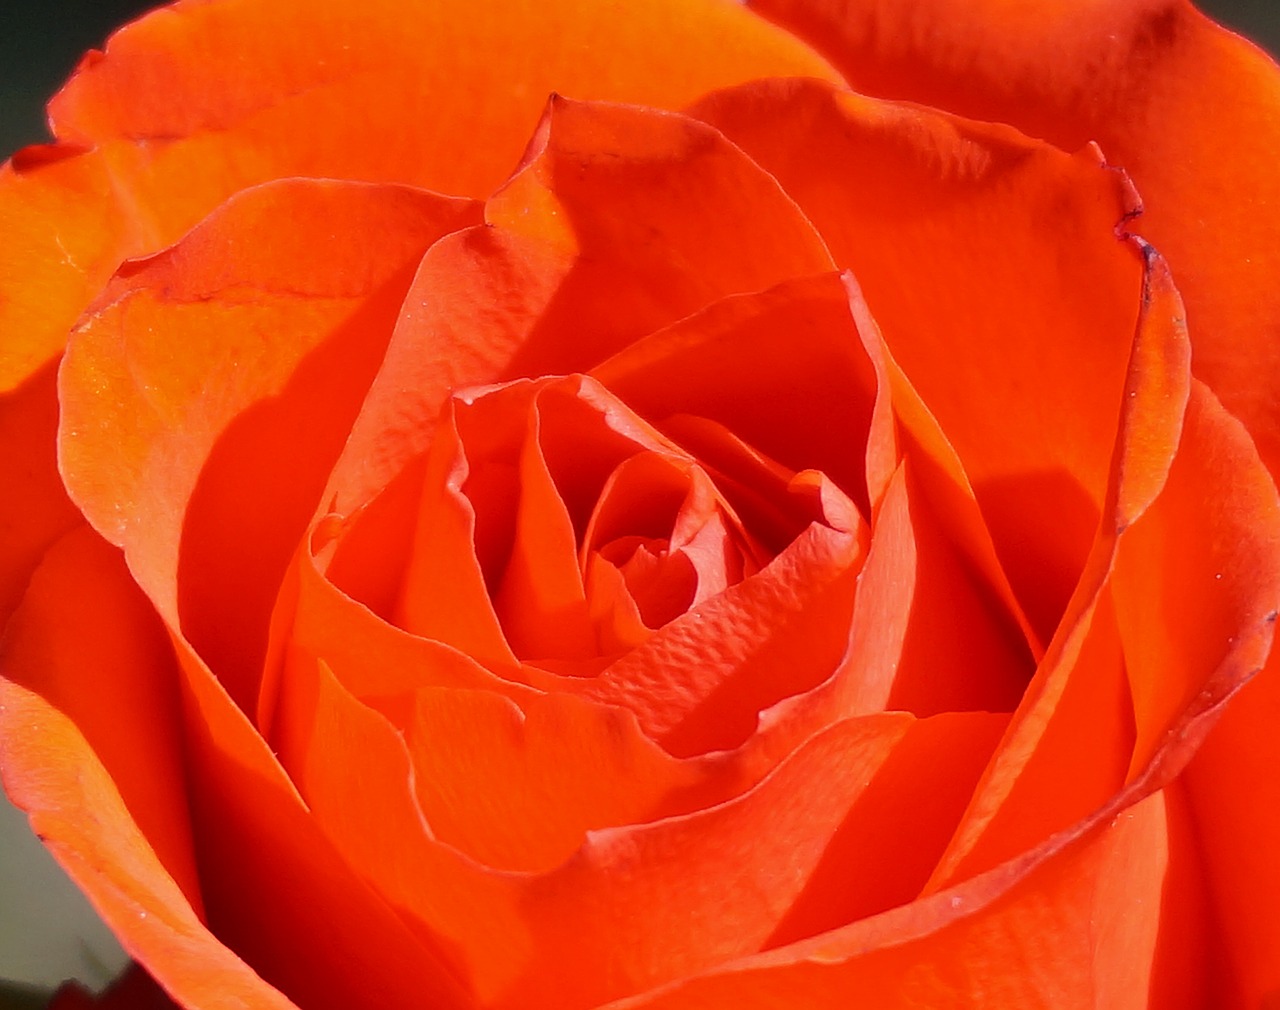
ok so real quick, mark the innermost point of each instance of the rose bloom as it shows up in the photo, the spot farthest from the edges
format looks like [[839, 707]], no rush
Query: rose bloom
[[656, 505]]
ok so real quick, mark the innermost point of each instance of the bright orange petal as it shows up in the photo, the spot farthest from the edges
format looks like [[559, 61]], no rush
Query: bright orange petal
[[206, 465], [89, 746], [200, 100], [87, 644]]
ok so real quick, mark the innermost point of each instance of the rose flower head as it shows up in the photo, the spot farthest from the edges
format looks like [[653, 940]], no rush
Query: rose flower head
[[668, 505]]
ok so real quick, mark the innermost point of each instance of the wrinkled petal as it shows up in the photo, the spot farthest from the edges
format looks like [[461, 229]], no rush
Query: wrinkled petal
[[621, 220], [811, 401]]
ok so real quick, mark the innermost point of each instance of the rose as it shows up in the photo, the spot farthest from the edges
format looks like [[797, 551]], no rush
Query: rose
[[287, 515]]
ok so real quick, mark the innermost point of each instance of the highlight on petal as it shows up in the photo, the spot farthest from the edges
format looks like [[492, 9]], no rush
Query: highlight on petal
[[198, 101], [205, 466]]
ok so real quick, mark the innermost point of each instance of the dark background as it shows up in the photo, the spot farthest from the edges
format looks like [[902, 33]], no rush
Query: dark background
[[41, 40], [47, 931]]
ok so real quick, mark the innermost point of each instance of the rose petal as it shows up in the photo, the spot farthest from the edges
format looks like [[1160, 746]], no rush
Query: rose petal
[[1235, 794], [1230, 782], [889, 843], [36, 510], [205, 466], [933, 214], [1176, 689], [198, 101], [804, 401], [698, 684], [622, 220], [100, 770], [75, 808], [519, 790], [1190, 111], [747, 858], [1080, 926], [808, 402], [260, 848], [1042, 779], [1189, 640], [81, 613]]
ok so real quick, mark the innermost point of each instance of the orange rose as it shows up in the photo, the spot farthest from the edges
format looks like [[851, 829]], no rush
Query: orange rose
[[764, 546]]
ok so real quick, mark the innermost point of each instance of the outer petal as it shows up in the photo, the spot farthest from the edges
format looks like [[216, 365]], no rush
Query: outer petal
[[200, 100], [99, 765], [1188, 110], [1080, 930], [36, 510], [1235, 795], [1192, 113], [205, 465]]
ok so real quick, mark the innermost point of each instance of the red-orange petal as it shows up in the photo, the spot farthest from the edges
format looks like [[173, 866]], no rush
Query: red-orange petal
[[85, 642], [1190, 111], [934, 214], [1081, 923], [804, 400], [35, 510], [260, 848], [747, 859], [622, 220], [90, 747], [1042, 779]]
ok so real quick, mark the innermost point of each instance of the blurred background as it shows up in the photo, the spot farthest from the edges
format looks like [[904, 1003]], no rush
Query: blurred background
[[47, 931]]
